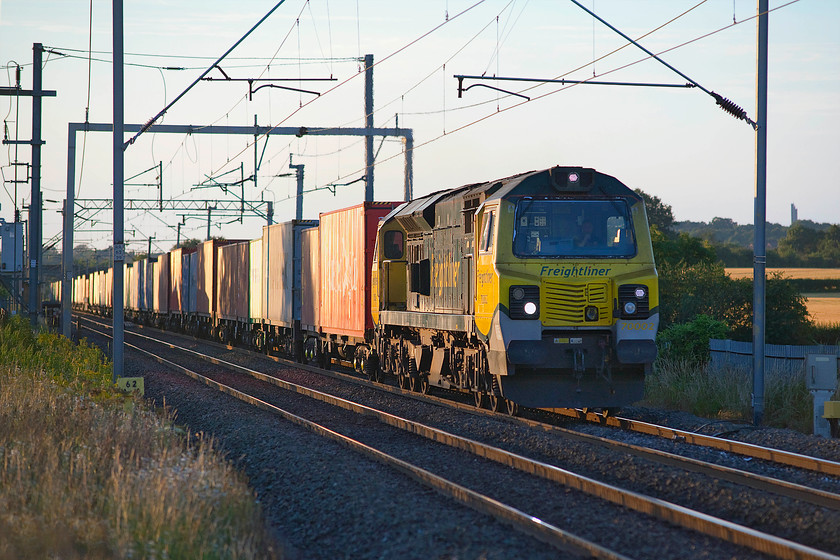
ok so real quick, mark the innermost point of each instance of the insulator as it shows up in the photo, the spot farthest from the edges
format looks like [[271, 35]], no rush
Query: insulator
[[730, 107]]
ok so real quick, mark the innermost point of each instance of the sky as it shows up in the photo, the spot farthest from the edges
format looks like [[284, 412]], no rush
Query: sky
[[674, 143]]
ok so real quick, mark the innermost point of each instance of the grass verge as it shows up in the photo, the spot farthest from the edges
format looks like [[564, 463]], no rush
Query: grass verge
[[725, 394], [89, 472]]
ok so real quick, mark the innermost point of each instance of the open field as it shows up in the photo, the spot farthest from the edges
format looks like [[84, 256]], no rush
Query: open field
[[824, 308], [815, 273]]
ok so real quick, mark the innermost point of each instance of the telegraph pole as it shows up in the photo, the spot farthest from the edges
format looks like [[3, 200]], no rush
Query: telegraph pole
[[299, 196], [119, 217], [759, 244], [35, 210], [35, 227], [369, 126]]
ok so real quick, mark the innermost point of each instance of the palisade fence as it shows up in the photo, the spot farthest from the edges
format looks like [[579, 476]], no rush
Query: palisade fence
[[778, 357]]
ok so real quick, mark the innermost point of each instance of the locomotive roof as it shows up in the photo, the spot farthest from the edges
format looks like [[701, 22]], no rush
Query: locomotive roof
[[418, 214], [564, 181]]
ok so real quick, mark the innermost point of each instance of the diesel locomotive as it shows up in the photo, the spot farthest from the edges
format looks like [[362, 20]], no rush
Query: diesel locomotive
[[539, 289]]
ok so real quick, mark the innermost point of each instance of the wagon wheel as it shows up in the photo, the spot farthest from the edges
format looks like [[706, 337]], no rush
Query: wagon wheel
[[324, 358], [496, 402], [413, 377], [423, 385], [403, 381], [370, 366], [512, 408], [480, 399]]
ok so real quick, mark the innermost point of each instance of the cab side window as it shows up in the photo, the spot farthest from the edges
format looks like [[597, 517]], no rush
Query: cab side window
[[487, 232], [393, 245]]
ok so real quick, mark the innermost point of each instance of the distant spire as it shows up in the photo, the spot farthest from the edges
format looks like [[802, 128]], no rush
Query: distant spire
[[794, 215]]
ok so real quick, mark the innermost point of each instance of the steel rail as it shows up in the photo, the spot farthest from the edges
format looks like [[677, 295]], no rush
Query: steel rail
[[789, 458], [521, 521], [679, 515]]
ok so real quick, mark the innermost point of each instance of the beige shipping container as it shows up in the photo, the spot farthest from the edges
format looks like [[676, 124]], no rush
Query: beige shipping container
[[233, 276], [311, 280], [256, 286], [109, 288], [282, 270], [160, 285]]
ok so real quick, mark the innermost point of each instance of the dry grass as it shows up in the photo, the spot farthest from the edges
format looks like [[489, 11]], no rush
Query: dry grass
[[815, 273], [86, 472], [726, 394]]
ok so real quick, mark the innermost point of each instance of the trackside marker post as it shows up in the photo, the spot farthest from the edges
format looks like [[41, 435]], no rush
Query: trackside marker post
[[132, 384]]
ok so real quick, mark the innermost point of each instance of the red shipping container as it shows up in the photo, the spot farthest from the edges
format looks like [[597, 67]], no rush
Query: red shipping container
[[233, 271], [347, 241]]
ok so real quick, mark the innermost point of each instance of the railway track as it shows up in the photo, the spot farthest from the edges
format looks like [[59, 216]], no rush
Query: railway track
[[718, 529], [779, 456]]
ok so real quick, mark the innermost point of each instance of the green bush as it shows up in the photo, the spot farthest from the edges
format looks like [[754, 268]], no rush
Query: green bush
[[687, 290], [690, 341], [825, 333], [787, 320]]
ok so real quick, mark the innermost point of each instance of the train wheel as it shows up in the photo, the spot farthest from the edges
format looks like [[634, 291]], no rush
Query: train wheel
[[480, 399], [403, 381], [324, 358], [496, 402], [370, 365], [423, 383], [512, 408]]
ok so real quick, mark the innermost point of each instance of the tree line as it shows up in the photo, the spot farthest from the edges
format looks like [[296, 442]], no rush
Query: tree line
[[698, 300], [803, 244]]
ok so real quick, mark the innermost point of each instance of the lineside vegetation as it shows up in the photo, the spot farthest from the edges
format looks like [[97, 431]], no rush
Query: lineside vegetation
[[699, 301], [89, 472], [725, 393]]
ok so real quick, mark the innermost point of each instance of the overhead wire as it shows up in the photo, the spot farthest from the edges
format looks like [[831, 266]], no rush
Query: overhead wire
[[566, 87], [292, 61], [87, 103], [351, 78]]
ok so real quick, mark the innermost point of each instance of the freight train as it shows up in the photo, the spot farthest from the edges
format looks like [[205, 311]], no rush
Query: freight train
[[538, 290]]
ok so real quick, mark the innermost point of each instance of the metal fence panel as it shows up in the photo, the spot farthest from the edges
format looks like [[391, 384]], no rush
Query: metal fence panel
[[778, 357]]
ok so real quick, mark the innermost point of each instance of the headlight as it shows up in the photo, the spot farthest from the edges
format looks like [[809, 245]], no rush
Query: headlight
[[633, 301], [524, 302]]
